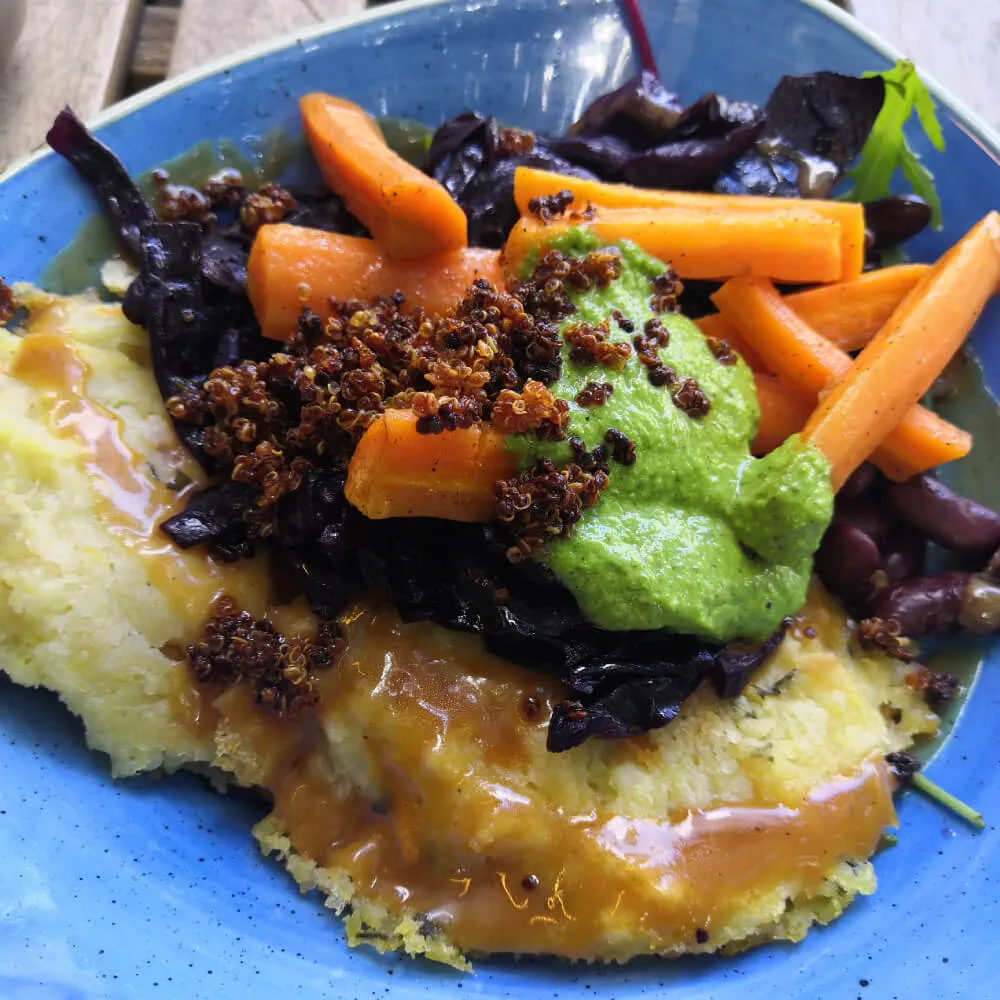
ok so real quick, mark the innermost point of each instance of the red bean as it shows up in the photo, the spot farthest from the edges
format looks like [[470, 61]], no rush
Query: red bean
[[865, 514], [952, 521], [893, 220], [924, 604], [858, 483], [904, 554], [846, 561]]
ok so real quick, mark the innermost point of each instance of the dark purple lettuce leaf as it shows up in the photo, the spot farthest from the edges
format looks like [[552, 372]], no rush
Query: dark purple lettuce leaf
[[105, 175], [712, 116], [821, 120], [466, 157], [214, 517], [224, 262], [460, 132], [634, 706], [733, 666], [692, 164], [828, 115], [320, 534], [605, 155], [767, 176], [166, 300], [641, 112], [325, 211], [488, 198]]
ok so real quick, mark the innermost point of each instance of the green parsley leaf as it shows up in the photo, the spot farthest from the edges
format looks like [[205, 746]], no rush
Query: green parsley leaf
[[886, 150], [926, 112], [922, 181]]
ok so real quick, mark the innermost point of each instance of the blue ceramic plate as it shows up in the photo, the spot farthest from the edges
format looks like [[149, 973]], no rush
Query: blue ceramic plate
[[149, 888]]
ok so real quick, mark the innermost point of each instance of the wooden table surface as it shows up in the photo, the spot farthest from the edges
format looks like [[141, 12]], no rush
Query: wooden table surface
[[89, 53]]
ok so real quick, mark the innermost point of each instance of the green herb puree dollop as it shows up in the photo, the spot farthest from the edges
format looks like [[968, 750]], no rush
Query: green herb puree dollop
[[697, 536]]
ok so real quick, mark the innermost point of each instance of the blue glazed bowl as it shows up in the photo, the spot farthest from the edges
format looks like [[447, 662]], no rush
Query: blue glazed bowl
[[154, 887]]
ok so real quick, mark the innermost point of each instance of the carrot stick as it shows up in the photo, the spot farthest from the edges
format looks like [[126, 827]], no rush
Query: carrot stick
[[808, 363], [908, 353], [794, 246], [398, 472], [848, 314], [407, 212], [292, 267], [719, 328], [530, 183], [783, 412]]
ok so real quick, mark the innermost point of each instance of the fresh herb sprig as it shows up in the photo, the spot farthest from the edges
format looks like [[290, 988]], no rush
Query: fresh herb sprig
[[948, 801], [887, 150]]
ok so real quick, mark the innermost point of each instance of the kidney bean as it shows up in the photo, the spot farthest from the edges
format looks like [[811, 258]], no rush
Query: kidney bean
[[952, 521], [846, 560], [924, 604], [866, 514], [903, 554], [860, 481], [893, 220]]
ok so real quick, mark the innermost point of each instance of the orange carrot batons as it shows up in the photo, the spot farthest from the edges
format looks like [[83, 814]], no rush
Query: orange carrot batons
[[292, 267], [908, 353], [407, 212], [795, 246], [808, 363], [531, 183], [848, 314], [783, 412], [396, 471]]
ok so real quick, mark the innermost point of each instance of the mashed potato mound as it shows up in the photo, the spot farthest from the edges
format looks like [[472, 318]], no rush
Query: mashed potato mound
[[423, 803]]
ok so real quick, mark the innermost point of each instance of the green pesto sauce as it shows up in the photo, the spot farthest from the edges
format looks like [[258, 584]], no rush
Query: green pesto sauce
[[697, 536]]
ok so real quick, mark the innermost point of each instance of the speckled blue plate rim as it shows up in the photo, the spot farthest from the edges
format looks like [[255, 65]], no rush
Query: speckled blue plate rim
[[973, 124], [229, 924]]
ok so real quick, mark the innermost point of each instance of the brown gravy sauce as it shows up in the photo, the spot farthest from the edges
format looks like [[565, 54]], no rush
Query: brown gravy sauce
[[500, 867], [131, 500]]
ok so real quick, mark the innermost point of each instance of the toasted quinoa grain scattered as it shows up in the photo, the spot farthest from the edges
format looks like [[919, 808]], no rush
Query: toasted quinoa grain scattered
[[550, 206], [721, 350], [667, 288], [622, 447], [544, 502], [594, 394], [589, 345], [515, 142], [884, 634], [546, 294], [268, 205], [225, 187], [689, 397], [239, 649], [624, 323], [180, 203], [532, 409], [661, 375]]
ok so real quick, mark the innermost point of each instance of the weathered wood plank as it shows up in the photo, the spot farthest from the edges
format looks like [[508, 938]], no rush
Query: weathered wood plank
[[209, 29], [151, 57], [74, 54]]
